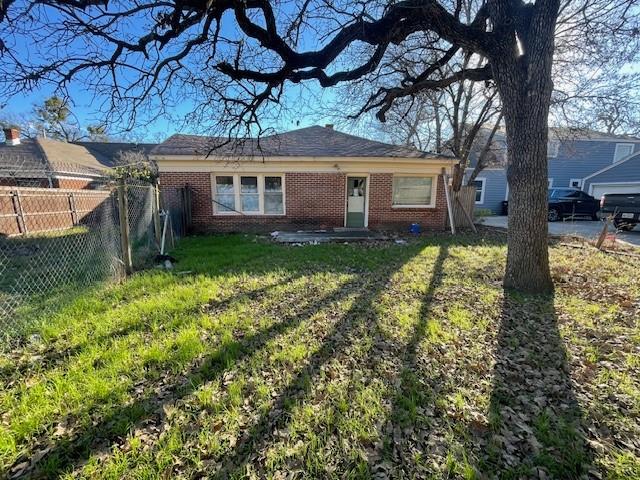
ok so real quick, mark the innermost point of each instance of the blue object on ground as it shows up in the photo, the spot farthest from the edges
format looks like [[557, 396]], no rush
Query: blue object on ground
[[414, 228]]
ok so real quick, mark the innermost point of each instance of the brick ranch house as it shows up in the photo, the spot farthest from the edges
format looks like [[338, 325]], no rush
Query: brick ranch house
[[314, 177]]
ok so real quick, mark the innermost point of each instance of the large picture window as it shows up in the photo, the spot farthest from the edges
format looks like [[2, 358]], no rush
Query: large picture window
[[412, 191], [249, 194]]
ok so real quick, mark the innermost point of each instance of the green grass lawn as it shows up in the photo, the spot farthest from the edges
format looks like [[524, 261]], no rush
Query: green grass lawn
[[258, 360]]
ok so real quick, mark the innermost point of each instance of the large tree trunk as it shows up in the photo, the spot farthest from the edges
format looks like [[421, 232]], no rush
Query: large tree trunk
[[527, 258], [523, 76]]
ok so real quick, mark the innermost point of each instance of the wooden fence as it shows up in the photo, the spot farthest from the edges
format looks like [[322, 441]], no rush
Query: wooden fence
[[25, 211], [463, 204]]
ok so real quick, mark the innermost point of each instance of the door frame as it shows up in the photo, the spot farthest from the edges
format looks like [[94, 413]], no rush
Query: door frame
[[366, 197]]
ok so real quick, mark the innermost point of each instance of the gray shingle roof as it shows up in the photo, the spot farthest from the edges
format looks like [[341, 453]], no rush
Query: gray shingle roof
[[26, 156], [41, 157], [108, 152], [312, 141]]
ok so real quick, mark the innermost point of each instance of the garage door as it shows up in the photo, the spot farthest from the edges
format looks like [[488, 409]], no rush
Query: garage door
[[599, 190]]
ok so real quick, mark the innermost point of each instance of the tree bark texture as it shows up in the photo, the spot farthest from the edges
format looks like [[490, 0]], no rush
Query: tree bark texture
[[523, 78]]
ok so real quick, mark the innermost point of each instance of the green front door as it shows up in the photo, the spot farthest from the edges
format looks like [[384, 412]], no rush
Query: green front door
[[356, 201]]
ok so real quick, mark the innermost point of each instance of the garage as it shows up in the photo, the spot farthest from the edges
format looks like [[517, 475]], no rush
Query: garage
[[620, 177], [597, 190]]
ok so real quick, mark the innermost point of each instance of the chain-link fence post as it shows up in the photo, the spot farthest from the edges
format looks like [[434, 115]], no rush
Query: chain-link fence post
[[123, 214]]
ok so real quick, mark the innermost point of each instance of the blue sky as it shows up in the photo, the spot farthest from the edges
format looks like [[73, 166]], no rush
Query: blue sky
[[303, 103]]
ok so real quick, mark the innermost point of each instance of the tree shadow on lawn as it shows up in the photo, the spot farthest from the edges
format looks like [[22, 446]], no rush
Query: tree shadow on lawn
[[70, 451], [52, 358], [413, 393], [535, 421], [361, 314]]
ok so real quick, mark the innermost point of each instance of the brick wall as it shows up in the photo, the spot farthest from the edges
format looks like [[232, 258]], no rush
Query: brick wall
[[33, 182], [60, 182], [37, 210], [313, 200], [74, 183], [383, 216]]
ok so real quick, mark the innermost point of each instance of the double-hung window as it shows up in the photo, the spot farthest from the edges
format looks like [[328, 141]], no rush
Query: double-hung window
[[412, 191], [273, 196], [249, 194], [479, 184], [225, 198]]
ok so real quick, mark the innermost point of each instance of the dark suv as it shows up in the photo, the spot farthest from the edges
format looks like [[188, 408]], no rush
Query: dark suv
[[571, 202]]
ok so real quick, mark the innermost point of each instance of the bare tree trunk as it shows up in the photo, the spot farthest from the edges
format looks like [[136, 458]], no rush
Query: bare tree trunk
[[527, 258], [523, 78]]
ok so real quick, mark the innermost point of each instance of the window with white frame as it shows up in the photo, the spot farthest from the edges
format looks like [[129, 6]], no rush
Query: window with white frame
[[575, 183], [622, 150], [273, 199], [412, 191], [479, 184], [552, 149], [550, 182], [225, 198], [249, 194]]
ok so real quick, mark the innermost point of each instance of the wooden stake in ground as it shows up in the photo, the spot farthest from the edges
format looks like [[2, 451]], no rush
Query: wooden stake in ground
[[603, 234]]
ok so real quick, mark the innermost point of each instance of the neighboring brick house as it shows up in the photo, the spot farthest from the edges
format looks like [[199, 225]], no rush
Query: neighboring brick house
[[314, 177], [595, 162], [46, 163]]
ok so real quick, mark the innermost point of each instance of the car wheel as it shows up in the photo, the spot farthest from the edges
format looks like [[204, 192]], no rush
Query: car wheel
[[553, 215]]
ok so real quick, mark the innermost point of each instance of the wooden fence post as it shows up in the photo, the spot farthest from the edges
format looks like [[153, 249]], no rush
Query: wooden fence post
[[72, 208], [17, 207], [185, 193], [447, 193], [123, 214], [157, 226]]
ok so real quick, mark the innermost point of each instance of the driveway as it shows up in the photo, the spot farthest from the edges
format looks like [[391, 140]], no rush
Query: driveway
[[584, 228]]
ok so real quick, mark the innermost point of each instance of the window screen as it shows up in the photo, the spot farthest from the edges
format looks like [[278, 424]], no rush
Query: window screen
[[225, 195], [412, 190]]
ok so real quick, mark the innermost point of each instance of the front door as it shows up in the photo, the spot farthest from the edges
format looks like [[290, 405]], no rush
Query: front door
[[356, 201]]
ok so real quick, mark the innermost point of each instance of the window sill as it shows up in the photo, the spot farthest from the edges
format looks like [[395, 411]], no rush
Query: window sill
[[256, 214], [413, 206]]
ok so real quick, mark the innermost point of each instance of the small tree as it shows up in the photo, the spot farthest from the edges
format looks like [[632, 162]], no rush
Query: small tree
[[135, 164]]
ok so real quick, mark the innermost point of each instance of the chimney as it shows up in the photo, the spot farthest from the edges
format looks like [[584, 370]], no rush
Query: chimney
[[329, 126], [11, 136]]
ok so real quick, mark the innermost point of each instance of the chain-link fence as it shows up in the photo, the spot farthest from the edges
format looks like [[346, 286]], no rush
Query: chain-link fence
[[57, 242]]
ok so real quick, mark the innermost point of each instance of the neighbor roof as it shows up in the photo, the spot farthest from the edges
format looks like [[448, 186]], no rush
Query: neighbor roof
[[315, 141], [42, 156], [27, 156], [108, 152]]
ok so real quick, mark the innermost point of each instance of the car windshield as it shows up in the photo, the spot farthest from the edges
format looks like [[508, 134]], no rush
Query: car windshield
[[561, 192]]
